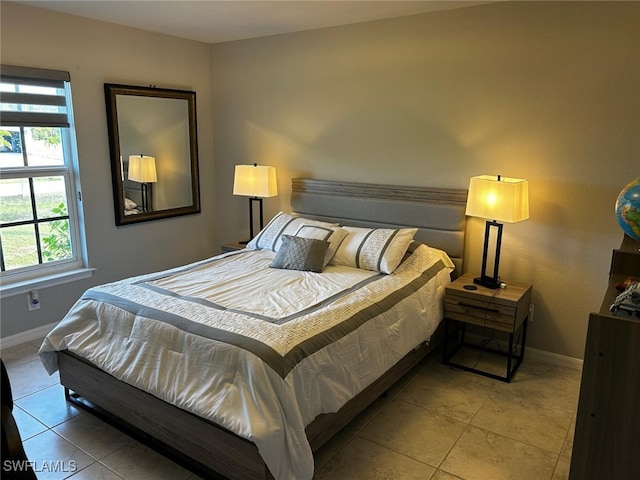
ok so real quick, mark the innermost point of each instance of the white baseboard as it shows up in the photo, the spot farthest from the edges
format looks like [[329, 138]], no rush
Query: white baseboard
[[553, 358], [541, 355], [28, 336]]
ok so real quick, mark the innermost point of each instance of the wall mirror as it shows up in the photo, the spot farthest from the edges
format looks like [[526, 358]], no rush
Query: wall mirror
[[154, 152]]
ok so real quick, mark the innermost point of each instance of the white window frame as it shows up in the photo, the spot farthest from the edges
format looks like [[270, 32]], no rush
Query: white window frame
[[24, 279]]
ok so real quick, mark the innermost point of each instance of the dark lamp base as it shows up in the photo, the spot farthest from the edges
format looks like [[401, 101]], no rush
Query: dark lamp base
[[487, 282]]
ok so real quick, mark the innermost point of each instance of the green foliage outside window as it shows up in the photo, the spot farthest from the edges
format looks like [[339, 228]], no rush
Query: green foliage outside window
[[3, 141], [50, 136], [57, 245]]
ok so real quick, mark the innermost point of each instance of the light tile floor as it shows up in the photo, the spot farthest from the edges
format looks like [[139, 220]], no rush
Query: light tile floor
[[435, 424]]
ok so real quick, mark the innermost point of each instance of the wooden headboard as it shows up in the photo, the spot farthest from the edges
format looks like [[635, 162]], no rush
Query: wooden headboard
[[438, 213]]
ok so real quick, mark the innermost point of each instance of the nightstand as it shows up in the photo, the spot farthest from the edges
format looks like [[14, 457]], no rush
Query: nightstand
[[503, 309], [232, 247]]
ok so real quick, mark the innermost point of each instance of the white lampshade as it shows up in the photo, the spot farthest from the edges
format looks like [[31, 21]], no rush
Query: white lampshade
[[142, 169], [255, 181], [498, 198]]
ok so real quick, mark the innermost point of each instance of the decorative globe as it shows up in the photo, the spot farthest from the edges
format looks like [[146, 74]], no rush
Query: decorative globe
[[628, 209]]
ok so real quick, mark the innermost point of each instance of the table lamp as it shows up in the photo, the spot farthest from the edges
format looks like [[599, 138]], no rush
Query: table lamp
[[257, 182], [501, 199]]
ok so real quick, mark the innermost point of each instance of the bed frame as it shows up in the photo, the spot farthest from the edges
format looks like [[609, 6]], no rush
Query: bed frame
[[214, 452]]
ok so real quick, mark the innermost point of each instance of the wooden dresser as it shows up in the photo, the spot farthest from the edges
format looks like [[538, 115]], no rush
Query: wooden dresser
[[607, 438]]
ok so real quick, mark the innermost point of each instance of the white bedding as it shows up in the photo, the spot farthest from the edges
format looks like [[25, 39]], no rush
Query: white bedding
[[290, 353]]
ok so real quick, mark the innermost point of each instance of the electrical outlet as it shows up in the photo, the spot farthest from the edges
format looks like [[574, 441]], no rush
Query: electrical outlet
[[33, 300], [531, 310]]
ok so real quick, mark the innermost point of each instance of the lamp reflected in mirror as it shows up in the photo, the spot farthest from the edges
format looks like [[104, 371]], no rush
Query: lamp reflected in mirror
[[142, 169]]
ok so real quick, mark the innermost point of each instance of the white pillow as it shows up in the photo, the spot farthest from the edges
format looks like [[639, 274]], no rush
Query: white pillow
[[129, 204], [270, 237], [377, 249], [333, 235]]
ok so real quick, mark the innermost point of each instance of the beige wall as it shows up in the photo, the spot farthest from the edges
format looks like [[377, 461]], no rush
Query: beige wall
[[96, 53], [544, 91]]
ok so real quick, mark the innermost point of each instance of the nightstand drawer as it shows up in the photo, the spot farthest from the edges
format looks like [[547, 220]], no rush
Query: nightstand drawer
[[480, 312]]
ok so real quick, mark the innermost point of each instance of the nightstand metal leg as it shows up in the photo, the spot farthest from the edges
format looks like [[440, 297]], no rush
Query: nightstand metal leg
[[511, 356]]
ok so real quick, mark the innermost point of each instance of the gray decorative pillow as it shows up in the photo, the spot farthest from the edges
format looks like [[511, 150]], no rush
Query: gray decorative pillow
[[298, 253], [333, 235]]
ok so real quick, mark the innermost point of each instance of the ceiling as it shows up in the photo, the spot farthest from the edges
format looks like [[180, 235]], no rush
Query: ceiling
[[213, 21]]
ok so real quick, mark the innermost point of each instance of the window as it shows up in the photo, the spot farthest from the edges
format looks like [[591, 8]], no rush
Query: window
[[40, 233]]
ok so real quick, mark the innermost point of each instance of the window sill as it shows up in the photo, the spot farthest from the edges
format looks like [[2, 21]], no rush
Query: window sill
[[17, 288]]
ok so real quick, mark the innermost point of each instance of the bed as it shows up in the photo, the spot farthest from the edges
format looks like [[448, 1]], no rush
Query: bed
[[249, 386]]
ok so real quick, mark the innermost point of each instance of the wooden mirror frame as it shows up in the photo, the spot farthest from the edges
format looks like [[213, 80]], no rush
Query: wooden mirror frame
[[112, 92]]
